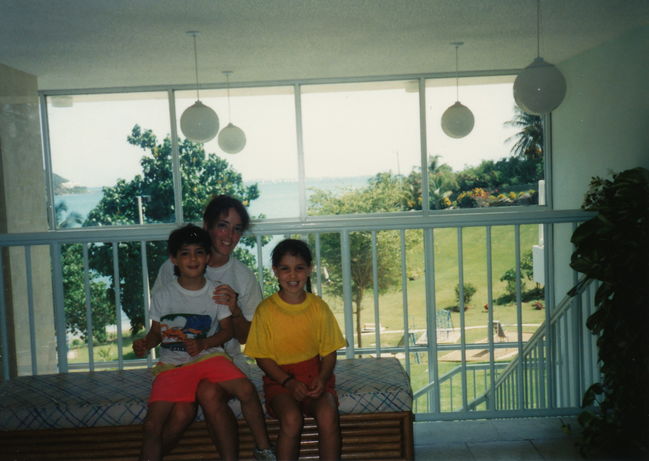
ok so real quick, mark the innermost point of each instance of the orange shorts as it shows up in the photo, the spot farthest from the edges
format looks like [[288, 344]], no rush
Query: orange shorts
[[302, 371], [179, 384]]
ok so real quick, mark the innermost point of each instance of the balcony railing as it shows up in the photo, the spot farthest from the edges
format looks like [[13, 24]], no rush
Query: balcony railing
[[459, 368]]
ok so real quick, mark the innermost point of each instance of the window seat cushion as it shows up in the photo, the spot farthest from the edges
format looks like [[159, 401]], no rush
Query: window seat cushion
[[118, 398]]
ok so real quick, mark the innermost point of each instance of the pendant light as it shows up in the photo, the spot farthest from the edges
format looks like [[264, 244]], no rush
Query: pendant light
[[457, 120], [232, 139], [540, 87], [199, 123]]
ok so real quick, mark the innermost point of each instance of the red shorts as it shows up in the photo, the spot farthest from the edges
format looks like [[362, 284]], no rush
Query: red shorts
[[179, 384], [305, 372]]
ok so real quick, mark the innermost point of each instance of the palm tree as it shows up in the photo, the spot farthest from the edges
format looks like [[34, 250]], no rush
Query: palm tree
[[441, 182], [73, 219], [529, 140]]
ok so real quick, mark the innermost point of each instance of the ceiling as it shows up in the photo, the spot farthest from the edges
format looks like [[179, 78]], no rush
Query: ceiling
[[75, 44]]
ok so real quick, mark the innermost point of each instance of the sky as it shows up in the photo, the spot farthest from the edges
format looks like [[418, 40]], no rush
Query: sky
[[349, 130]]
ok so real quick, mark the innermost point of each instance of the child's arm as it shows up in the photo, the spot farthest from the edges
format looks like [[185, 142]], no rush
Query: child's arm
[[274, 372], [194, 346], [152, 339], [327, 365]]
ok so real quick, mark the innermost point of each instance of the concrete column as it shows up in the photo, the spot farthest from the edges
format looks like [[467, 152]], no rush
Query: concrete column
[[23, 209]]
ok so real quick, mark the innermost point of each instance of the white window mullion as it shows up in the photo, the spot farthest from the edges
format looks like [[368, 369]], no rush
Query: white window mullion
[[90, 340]]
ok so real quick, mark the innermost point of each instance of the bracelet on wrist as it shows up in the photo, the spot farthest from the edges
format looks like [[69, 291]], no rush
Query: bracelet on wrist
[[287, 379]]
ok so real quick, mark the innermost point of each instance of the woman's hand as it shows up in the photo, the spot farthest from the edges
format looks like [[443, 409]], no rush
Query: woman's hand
[[140, 348], [224, 294]]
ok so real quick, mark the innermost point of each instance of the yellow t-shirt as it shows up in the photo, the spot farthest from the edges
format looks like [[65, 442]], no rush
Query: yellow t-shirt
[[291, 333]]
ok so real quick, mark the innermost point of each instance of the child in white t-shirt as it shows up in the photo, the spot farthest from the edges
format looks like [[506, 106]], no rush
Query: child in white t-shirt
[[191, 330]]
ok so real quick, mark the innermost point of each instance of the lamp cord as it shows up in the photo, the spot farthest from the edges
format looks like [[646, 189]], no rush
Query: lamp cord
[[457, 75], [227, 78], [538, 28], [196, 65]]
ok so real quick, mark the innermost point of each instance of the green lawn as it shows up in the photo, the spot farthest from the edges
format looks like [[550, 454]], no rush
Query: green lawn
[[391, 306]]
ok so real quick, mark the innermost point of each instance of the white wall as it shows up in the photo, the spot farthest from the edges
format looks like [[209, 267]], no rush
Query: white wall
[[603, 123], [602, 126]]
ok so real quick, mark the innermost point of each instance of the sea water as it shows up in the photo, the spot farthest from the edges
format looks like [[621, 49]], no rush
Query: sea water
[[277, 199]]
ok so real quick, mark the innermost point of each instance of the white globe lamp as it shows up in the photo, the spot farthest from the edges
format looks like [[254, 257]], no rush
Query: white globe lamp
[[539, 88], [457, 121], [199, 123], [232, 139]]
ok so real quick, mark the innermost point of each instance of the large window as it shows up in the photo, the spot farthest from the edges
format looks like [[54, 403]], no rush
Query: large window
[[499, 163], [96, 151], [354, 132], [329, 149], [269, 160]]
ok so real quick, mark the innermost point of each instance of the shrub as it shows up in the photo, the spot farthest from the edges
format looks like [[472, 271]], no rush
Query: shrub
[[468, 292]]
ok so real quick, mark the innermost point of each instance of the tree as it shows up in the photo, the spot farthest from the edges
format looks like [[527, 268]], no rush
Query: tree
[[74, 299], [441, 184], [202, 176], [384, 193], [529, 140]]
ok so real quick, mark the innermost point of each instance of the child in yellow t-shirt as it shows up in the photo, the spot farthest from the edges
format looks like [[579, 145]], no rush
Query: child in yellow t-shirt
[[294, 337]]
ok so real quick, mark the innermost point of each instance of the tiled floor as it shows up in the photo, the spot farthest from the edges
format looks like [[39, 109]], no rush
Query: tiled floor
[[534, 439]]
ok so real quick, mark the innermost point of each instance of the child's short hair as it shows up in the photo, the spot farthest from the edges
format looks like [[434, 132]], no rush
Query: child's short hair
[[220, 205], [188, 235], [293, 247]]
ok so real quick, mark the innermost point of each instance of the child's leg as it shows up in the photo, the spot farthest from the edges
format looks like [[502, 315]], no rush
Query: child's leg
[[181, 416], [325, 411], [221, 423], [156, 417], [291, 421], [243, 389]]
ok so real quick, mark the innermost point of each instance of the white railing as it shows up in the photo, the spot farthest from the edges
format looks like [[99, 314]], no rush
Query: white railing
[[458, 393], [574, 361]]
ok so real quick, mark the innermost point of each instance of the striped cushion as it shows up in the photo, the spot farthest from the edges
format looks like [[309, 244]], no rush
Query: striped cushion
[[109, 398]]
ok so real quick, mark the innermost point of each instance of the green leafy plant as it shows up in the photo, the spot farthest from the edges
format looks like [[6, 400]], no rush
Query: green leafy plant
[[468, 291], [613, 247], [527, 274]]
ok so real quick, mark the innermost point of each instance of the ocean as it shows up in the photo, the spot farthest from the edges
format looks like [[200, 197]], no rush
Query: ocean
[[277, 199]]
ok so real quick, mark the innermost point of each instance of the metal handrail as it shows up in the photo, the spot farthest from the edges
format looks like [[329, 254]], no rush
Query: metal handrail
[[566, 303]]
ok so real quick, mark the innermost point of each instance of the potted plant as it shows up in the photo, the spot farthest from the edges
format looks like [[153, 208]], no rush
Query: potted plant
[[613, 247]]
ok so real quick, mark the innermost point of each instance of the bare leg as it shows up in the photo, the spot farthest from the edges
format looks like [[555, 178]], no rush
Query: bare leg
[[156, 417], [243, 389], [221, 423], [181, 416], [290, 426], [325, 410]]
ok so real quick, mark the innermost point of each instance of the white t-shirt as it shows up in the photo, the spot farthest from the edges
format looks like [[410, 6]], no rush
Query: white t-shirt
[[241, 279], [185, 314]]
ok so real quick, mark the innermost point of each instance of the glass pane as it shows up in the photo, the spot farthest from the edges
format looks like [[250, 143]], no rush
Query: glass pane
[[499, 163], [100, 146], [264, 175], [354, 131]]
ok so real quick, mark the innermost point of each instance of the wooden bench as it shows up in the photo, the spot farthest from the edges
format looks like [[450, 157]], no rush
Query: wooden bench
[[98, 416]]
